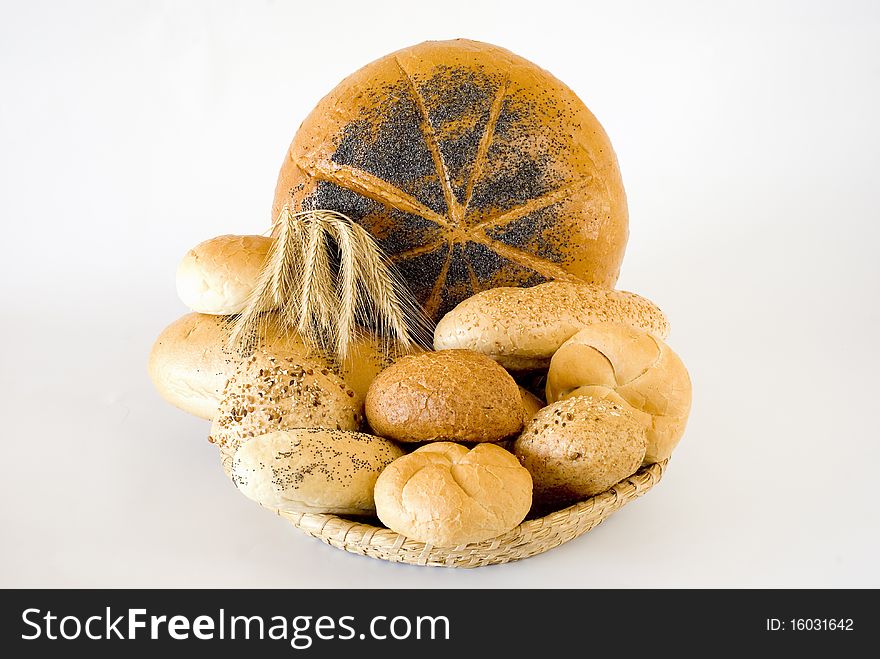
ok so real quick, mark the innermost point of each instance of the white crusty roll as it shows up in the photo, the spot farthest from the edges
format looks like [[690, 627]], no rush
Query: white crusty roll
[[631, 368], [579, 447], [313, 470], [272, 391], [218, 275], [446, 495], [190, 361], [521, 328]]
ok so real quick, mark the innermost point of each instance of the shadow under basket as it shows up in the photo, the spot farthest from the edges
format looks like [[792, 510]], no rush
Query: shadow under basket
[[533, 536]]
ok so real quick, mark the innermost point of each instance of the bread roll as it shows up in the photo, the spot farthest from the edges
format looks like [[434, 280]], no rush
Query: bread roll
[[217, 276], [281, 391], [579, 447], [454, 394], [446, 495], [313, 471], [472, 167], [521, 328], [190, 361], [531, 404], [629, 367]]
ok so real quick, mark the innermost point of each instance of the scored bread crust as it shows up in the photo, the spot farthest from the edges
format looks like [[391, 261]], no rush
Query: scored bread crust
[[449, 395], [446, 495], [521, 328], [631, 368], [472, 167]]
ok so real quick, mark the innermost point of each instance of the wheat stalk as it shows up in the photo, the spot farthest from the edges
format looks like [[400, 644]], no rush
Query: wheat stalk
[[326, 307]]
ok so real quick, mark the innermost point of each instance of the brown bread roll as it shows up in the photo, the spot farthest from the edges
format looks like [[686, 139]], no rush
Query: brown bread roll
[[579, 447], [472, 167], [631, 368], [217, 276], [446, 495], [450, 395], [521, 328], [313, 470], [272, 391]]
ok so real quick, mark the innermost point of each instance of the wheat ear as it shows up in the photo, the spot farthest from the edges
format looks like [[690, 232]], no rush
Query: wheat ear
[[327, 308]]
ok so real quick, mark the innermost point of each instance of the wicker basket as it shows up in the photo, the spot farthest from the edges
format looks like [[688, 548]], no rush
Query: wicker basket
[[532, 537]]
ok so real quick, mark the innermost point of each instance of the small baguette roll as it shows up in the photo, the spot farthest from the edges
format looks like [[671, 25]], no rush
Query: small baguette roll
[[446, 495], [521, 328], [455, 395], [633, 369], [579, 447], [218, 275], [313, 471]]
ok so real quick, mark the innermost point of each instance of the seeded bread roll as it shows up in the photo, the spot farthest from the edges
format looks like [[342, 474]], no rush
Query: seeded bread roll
[[631, 368], [472, 167], [521, 328], [446, 495], [281, 391], [217, 276], [450, 395], [579, 447], [312, 470]]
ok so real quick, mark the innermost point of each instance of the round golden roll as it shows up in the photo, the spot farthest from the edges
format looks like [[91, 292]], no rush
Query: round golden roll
[[280, 390], [218, 275], [445, 495], [472, 167], [521, 328], [451, 395], [190, 361], [631, 368], [579, 447], [313, 470]]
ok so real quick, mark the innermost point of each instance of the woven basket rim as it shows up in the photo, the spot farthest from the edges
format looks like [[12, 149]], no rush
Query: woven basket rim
[[531, 537]]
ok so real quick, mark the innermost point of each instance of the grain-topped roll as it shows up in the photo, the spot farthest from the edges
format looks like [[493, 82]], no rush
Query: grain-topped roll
[[313, 470], [472, 167], [579, 447], [450, 395], [521, 328], [217, 275], [633, 369], [281, 391], [446, 495]]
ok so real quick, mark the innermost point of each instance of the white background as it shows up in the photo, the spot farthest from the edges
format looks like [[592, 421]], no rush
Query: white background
[[748, 138]]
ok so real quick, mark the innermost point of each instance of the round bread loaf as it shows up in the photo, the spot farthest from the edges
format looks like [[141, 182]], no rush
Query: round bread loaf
[[190, 361], [218, 275], [579, 447], [281, 391], [521, 328], [446, 495], [313, 470], [450, 395], [472, 167], [632, 368]]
